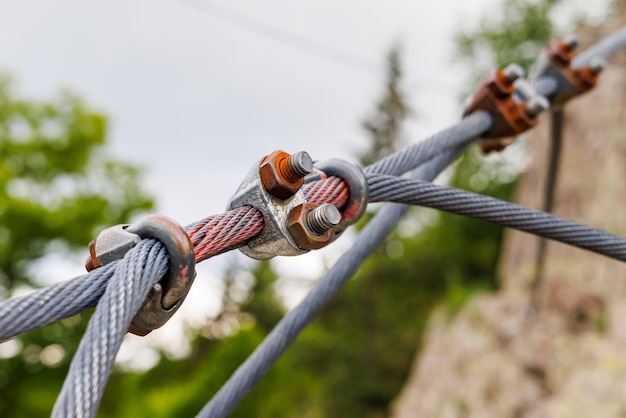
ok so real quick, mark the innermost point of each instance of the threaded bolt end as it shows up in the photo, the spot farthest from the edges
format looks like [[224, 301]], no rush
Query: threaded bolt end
[[512, 72], [296, 166], [570, 42], [322, 218], [524, 89], [535, 105], [597, 65]]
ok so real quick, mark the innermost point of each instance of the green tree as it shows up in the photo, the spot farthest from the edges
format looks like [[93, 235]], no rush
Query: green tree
[[58, 188]]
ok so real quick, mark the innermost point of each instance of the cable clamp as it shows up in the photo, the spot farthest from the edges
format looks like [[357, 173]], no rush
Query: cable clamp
[[166, 296], [512, 113], [292, 226], [555, 62], [355, 179]]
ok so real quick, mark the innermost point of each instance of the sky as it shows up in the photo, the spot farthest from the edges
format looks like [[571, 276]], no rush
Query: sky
[[197, 91], [197, 97]]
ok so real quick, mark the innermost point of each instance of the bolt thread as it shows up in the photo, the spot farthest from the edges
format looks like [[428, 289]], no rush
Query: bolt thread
[[597, 65], [524, 89], [512, 72], [535, 105], [322, 218], [570, 42], [296, 166]]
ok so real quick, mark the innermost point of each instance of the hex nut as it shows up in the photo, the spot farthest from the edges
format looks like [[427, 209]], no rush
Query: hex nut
[[297, 227], [273, 176]]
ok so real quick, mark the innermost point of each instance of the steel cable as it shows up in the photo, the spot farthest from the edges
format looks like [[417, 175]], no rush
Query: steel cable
[[394, 189], [134, 276], [220, 233], [460, 134], [546, 86], [50, 304], [215, 235], [602, 49]]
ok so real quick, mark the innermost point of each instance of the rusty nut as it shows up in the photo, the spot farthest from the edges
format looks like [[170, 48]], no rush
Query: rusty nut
[[277, 178], [92, 263], [298, 227]]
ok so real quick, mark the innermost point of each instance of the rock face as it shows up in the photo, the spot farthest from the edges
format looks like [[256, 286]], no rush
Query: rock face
[[558, 350]]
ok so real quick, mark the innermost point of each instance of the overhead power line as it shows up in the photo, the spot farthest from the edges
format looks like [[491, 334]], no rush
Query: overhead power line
[[283, 36]]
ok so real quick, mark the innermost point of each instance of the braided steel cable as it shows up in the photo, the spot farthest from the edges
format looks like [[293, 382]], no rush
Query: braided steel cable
[[602, 49], [395, 189], [546, 86], [460, 134], [294, 322], [220, 233], [50, 304], [331, 190], [134, 276]]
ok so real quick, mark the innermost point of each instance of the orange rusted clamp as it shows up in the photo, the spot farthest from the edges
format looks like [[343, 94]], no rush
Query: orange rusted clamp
[[166, 296], [555, 62], [511, 116]]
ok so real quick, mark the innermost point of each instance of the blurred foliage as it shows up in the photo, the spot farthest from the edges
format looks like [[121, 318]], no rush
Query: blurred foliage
[[57, 190], [56, 182]]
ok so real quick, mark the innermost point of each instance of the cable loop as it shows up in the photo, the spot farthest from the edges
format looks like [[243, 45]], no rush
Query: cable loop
[[355, 179], [166, 296], [257, 192]]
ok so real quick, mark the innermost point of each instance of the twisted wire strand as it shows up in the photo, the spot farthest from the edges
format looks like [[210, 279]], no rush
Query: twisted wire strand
[[394, 189], [331, 190], [460, 134], [134, 276], [602, 49], [50, 304], [217, 234], [546, 86]]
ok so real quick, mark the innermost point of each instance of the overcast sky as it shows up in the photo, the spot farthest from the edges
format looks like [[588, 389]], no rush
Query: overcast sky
[[195, 95]]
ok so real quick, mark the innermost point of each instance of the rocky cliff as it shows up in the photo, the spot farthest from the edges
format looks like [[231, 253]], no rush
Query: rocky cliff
[[555, 348]]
